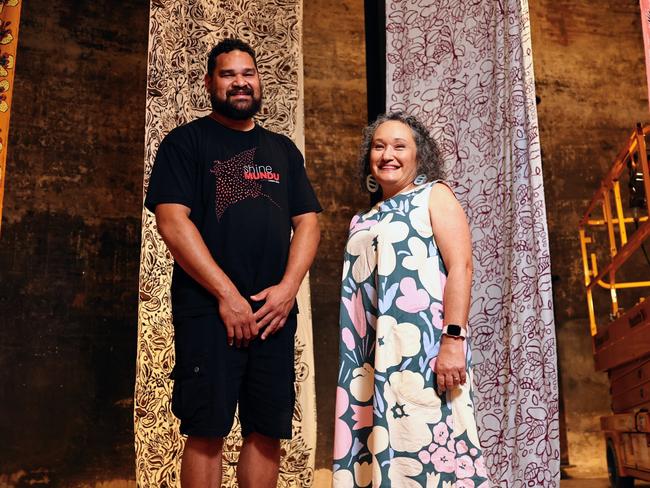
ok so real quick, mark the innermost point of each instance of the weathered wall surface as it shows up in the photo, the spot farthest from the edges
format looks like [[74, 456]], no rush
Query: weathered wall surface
[[69, 248], [590, 77], [335, 114], [69, 244]]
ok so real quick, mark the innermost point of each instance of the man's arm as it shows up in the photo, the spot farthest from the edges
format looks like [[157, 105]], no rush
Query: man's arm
[[280, 298], [190, 252]]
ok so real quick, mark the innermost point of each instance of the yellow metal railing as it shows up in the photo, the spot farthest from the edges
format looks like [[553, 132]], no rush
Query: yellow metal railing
[[621, 245]]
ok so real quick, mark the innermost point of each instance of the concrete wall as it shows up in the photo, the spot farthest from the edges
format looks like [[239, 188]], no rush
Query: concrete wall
[[590, 76], [69, 248]]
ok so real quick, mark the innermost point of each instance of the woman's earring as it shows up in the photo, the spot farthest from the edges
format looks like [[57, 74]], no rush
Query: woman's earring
[[420, 179], [371, 184]]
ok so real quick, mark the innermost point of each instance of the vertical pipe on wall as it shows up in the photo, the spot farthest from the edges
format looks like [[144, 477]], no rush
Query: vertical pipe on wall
[[375, 24]]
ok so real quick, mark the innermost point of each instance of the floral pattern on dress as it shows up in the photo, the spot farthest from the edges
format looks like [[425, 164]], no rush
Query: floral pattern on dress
[[392, 427]]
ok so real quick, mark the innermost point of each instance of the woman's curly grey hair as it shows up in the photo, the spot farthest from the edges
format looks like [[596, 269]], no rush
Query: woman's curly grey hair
[[427, 153]]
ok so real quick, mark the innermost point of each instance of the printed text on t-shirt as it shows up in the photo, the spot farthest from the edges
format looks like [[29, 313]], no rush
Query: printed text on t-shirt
[[261, 172]]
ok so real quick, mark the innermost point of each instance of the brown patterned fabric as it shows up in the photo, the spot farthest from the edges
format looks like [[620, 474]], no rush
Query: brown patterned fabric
[[180, 35], [10, 20], [465, 69]]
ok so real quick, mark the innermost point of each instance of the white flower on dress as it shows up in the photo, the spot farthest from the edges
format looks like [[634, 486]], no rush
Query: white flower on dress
[[463, 414], [410, 408], [389, 234], [377, 440], [362, 245], [419, 217], [394, 342], [362, 474], [343, 479], [346, 269], [426, 266], [433, 480], [367, 243], [362, 384], [375, 239], [402, 470]]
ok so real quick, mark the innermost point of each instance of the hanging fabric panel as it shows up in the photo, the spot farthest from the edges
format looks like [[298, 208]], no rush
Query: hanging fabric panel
[[465, 69], [9, 23], [645, 23], [181, 33]]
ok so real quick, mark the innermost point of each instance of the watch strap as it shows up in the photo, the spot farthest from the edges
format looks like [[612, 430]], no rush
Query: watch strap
[[454, 330]]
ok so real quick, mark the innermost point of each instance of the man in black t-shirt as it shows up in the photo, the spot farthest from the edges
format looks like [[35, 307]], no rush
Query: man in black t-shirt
[[227, 193]]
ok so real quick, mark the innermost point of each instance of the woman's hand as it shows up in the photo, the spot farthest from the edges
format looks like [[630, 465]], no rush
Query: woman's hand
[[450, 365]]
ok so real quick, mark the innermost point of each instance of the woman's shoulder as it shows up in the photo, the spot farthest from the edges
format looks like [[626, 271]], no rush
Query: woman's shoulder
[[441, 189]]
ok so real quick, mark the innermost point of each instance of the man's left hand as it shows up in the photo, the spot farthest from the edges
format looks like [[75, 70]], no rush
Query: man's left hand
[[273, 314]]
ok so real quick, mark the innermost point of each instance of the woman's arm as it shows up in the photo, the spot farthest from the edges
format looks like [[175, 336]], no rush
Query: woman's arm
[[452, 235]]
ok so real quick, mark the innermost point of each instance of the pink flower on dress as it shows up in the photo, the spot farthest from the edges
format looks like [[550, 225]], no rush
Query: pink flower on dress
[[436, 314], [450, 421], [443, 460], [342, 434], [363, 225], [354, 220], [461, 447], [473, 452], [413, 299], [424, 456], [466, 483], [362, 416], [479, 465], [348, 339], [451, 445], [465, 467], [356, 312], [440, 434]]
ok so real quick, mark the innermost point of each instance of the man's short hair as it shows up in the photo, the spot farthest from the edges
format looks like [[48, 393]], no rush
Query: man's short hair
[[225, 46]]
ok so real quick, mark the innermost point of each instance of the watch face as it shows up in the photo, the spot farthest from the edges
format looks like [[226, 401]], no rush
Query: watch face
[[453, 330]]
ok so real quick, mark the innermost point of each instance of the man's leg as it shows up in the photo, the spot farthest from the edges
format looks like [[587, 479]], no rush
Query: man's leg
[[259, 462], [266, 404], [201, 463]]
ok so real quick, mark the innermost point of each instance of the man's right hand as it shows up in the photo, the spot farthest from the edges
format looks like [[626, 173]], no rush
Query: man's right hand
[[186, 245], [237, 316]]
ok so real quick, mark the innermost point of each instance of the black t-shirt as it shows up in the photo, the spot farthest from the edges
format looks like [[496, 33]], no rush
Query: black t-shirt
[[242, 189]]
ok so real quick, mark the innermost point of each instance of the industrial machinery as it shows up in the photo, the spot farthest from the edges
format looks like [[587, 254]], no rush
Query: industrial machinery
[[613, 233]]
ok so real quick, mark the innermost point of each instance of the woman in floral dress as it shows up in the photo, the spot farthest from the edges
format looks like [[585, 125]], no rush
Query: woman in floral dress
[[404, 413]]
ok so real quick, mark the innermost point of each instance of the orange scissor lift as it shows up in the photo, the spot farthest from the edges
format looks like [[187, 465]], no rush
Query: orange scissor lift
[[621, 343]]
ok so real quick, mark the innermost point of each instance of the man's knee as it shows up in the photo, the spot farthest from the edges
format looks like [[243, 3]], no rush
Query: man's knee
[[207, 446], [262, 442]]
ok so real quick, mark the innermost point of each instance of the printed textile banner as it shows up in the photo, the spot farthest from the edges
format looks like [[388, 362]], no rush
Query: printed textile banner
[[466, 70], [181, 33]]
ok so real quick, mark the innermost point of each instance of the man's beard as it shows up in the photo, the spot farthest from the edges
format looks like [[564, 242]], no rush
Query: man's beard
[[233, 110]]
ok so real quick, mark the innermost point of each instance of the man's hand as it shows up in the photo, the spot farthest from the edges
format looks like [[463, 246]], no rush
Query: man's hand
[[237, 316], [450, 365], [273, 314]]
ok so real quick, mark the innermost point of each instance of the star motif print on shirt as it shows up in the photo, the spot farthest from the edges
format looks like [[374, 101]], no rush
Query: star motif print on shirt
[[231, 186]]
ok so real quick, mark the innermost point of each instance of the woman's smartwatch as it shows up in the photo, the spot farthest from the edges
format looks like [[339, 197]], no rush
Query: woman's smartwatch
[[455, 331]]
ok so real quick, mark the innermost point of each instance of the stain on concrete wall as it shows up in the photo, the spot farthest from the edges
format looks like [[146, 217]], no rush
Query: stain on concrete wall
[[335, 114], [590, 77], [69, 248]]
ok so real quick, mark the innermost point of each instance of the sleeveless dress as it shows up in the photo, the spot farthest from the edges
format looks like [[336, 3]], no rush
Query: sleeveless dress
[[392, 428]]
